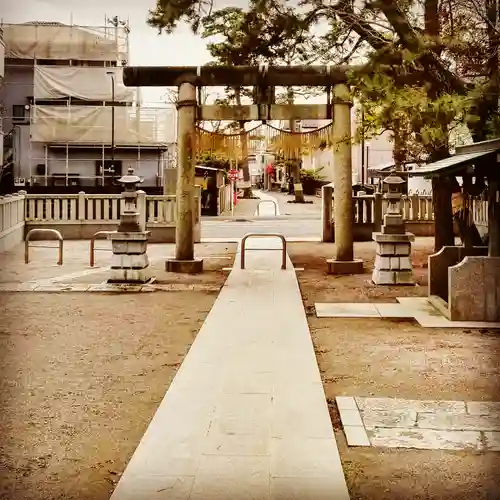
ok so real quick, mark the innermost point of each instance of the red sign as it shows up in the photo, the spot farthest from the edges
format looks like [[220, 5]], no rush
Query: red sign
[[233, 174]]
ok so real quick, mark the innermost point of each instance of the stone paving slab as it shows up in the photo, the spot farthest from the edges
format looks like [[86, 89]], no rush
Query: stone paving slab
[[492, 441], [394, 311], [425, 439], [54, 287], [418, 308], [402, 423], [339, 310], [245, 416]]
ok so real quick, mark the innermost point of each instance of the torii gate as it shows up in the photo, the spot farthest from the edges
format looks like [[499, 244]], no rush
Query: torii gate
[[263, 79]]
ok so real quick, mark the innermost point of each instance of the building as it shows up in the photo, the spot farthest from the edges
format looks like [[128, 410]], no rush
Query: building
[[71, 121], [2, 73]]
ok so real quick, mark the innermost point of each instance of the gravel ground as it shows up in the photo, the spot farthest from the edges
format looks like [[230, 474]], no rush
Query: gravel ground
[[82, 374], [395, 358], [42, 265]]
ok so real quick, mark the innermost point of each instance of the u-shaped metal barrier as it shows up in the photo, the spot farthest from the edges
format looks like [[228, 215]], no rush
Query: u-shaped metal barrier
[[92, 245], [268, 201], [264, 235], [31, 232]]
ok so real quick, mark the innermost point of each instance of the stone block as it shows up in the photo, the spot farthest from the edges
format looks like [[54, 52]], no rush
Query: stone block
[[474, 289], [345, 267], [388, 418], [346, 403], [393, 220], [459, 422], [394, 264], [129, 276], [385, 249], [420, 406], [440, 262], [129, 247], [492, 441], [346, 310], [381, 277], [126, 261], [393, 229], [425, 439], [404, 278], [402, 249], [483, 407], [395, 311], [393, 238], [356, 435], [350, 417], [405, 263], [383, 262]]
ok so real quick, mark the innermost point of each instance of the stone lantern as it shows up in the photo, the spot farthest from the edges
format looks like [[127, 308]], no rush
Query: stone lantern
[[393, 219], [130, 261], [393, 254], [129, 218]]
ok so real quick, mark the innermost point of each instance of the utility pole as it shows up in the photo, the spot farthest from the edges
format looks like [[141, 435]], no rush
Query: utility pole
[[112, 75]]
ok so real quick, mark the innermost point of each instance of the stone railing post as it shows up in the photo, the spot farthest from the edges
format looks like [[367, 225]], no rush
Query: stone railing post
[[141, 208], [415, 207], [81, 205], [22, 209], [8, 206], [327, 212], [377, 212]]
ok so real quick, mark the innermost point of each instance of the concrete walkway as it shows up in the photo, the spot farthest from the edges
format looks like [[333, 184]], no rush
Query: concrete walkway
[[246, 415]]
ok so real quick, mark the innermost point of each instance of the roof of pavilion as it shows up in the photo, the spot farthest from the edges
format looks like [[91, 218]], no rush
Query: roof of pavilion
[[464, 158]]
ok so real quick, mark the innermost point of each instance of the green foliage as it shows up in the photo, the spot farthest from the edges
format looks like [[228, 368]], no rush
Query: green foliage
[[311, 174], [419, 123], [213, 161], [423, 78]]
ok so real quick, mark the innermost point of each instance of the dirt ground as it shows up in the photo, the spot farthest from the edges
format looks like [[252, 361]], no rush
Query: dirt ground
[[398, 358], [76, 269], [82, 374]]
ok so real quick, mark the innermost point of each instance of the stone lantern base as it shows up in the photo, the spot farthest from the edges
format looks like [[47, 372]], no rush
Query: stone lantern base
[[393, 259], [130, 263]]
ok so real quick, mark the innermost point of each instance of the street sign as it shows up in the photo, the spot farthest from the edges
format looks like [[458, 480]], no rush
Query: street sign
[[233, 174]]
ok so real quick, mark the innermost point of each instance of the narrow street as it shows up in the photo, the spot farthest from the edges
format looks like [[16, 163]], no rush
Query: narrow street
[[295, 228]]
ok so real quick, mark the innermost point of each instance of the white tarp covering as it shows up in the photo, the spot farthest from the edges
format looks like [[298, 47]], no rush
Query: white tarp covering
[[93, 125], [92, 84], [59, 41], [2, 59]]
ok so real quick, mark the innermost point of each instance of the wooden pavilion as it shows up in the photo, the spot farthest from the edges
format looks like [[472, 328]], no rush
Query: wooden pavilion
[[464, 281]]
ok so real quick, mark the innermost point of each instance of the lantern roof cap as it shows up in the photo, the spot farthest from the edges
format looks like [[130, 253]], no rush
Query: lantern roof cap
[[393, 179], [130, 178]]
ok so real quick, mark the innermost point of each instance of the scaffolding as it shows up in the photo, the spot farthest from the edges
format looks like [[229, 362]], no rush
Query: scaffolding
[[79, 124], [77, 144], [93, 125], [57, 41], [92, 145]]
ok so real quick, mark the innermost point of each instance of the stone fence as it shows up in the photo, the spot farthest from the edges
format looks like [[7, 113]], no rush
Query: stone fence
[[417, 212], [79, 216], [12, 215]]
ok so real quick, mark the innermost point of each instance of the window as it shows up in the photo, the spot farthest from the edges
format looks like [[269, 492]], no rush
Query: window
[[18, 112]]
